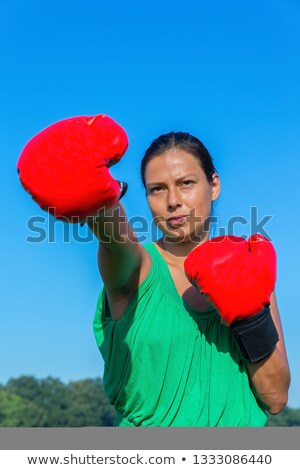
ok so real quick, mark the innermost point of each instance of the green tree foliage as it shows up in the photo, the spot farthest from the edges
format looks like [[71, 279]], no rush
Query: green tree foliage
[[29, 402], [89, 403], [287, 417], [16, 412]]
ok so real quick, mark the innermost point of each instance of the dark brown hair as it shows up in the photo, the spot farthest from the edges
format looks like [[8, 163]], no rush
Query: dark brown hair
[[179, 140]]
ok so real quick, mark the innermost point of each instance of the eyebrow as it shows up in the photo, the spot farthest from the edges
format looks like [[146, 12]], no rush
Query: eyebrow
[[189, 175]]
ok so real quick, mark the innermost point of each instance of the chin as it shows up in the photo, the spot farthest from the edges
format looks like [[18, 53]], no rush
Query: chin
[[178, 238]]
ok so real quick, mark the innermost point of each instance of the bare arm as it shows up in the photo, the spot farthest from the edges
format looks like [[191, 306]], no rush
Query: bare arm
[[271, 377], [123, 262]]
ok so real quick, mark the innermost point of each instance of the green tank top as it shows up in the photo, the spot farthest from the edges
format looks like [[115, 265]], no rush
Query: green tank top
[[167, 364]]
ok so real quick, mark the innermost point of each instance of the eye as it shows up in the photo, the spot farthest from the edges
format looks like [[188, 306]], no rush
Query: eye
[[156, 189], [187, 183]]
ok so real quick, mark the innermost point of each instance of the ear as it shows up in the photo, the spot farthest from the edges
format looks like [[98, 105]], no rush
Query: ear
[[216, 186]]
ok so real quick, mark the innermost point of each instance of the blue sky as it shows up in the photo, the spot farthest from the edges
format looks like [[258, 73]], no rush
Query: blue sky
[[228, 72]]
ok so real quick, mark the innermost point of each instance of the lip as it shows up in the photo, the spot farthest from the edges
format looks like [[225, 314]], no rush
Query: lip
[[177, 220]]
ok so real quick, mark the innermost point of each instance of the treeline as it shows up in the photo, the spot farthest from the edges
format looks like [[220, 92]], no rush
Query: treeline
[[287, 417], [30, 402]]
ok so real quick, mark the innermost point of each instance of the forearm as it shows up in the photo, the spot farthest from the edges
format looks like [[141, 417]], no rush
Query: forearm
[[112, 228], [270, 379], [120, 254]]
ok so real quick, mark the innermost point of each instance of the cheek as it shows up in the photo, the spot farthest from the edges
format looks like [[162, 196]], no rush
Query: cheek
[[200, 200], [153, 206], [200, 210]]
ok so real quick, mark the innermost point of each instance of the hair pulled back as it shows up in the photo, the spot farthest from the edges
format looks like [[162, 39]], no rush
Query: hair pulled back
[[183, 141]]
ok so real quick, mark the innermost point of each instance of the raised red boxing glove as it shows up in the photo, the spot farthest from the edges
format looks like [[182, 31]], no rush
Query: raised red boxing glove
[[238, 277], [65, 166]]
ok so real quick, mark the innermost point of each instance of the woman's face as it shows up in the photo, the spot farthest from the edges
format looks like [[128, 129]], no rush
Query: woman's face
[[179, 195]]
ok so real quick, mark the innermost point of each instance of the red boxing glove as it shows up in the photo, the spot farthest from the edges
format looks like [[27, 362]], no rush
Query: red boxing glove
[[238, 277], [65, 166]]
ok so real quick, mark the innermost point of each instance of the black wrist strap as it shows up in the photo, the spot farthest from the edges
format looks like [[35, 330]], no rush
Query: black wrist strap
[[123, 188], [256, 336]]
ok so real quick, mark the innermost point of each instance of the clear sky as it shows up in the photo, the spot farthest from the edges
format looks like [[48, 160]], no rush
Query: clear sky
[[229, 72]]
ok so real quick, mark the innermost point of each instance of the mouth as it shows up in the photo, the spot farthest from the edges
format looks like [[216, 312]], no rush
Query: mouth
[[178, 220]]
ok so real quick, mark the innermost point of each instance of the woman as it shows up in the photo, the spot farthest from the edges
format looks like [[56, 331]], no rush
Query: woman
[[173, 357], [169, 359]]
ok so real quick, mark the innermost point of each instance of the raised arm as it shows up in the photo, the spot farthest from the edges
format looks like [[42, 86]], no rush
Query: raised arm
[[122, 260], [65, 168], [238, 276]]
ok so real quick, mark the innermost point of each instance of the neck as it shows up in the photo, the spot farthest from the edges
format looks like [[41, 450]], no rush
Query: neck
[[180, 249]]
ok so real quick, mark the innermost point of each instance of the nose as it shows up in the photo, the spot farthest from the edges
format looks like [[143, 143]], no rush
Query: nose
[[173, 199]]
